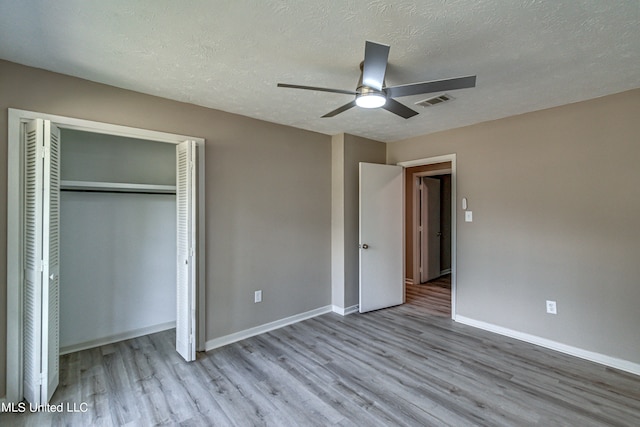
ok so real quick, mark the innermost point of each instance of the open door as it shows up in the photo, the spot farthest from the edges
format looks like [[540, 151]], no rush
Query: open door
[[381, 236], [186, 249], [430, 233], [41, 287]]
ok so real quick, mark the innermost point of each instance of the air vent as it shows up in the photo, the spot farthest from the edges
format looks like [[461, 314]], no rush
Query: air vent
[[435, 100]]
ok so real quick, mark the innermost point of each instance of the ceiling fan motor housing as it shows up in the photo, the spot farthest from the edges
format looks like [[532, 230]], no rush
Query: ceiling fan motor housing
[[369, 97]]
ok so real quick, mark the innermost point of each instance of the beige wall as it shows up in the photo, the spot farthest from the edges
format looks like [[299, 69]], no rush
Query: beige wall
[[337, 221], [556, 202], [268, 195]]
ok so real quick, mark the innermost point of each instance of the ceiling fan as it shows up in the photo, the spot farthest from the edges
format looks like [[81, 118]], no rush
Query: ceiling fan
[[372, 92]]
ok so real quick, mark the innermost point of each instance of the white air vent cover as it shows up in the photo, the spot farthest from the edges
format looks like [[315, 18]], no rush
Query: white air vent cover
[[435, 100]]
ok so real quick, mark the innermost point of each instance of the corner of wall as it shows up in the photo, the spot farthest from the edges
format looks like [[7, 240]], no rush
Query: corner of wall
[[337, 221]]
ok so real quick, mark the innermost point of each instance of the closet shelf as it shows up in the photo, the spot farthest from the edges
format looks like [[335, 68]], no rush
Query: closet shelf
[[123, 187]]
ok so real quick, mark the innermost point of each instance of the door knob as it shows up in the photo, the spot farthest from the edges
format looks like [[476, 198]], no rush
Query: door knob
[[364, 246]]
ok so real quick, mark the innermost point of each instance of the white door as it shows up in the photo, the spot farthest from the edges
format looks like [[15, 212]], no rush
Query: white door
[[381, 236], [41, 288], [430, 233], [186, 249]]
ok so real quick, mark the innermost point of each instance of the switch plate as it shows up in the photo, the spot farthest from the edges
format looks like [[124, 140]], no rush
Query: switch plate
[[468, 216], [257, 297], [551, 307]]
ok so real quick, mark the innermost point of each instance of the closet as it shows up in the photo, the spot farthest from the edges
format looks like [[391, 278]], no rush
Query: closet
[[117, 238], [105, 225]]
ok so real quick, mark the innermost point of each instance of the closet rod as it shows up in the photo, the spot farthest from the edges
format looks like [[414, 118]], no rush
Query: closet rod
[[117, 191]]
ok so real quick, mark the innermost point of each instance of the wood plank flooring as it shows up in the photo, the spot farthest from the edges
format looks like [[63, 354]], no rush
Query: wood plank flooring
[[433, 297], [402, 366]]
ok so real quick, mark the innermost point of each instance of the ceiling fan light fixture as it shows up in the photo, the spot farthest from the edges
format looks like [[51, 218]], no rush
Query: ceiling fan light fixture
[[373, 92], [371, 100]]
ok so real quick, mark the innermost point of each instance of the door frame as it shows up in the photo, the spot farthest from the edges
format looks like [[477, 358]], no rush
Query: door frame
[[429, 161], [15, 238]]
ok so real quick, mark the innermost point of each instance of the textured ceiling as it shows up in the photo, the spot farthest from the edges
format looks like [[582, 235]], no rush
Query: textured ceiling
[[229, 55]]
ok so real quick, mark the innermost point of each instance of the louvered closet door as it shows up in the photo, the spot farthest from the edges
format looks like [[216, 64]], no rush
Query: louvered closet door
[[51, 268], [41, 287], [34, 135], [186, 249]]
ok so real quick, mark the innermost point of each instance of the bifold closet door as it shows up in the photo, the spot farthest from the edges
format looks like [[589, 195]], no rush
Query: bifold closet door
[[41, 285], [186, 249]]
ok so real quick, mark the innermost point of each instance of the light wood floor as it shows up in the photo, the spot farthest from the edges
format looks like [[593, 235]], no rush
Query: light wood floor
[[402, 366], [433, 297]]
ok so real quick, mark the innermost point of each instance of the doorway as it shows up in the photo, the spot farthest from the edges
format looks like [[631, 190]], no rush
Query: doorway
[[432, 235], [430, 251], [193, 149], [428, 237]]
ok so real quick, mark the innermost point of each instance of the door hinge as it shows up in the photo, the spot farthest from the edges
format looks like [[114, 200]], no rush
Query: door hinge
[[192, 252], [42, 379], [41, 265]]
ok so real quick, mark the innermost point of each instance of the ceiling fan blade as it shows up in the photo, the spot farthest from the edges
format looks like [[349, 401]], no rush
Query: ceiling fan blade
[[339, 110], [432, 86], [400, 109], [321, 89], [374, 67]]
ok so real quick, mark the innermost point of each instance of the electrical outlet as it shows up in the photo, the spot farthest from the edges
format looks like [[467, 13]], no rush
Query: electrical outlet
[[257, 296], [551, 307]]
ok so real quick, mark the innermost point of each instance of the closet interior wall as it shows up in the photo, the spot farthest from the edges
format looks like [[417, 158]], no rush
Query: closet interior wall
[[117, 247]]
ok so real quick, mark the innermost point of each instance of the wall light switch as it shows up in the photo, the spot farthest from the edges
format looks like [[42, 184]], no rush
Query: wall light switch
[[257, 297], [551, 307], [468, 216]]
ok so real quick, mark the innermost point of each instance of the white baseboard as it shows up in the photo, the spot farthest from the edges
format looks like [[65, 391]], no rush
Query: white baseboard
[[603, 359], [408, 281], [446, 271], [345, 311], [248, 333], [118, 337]]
